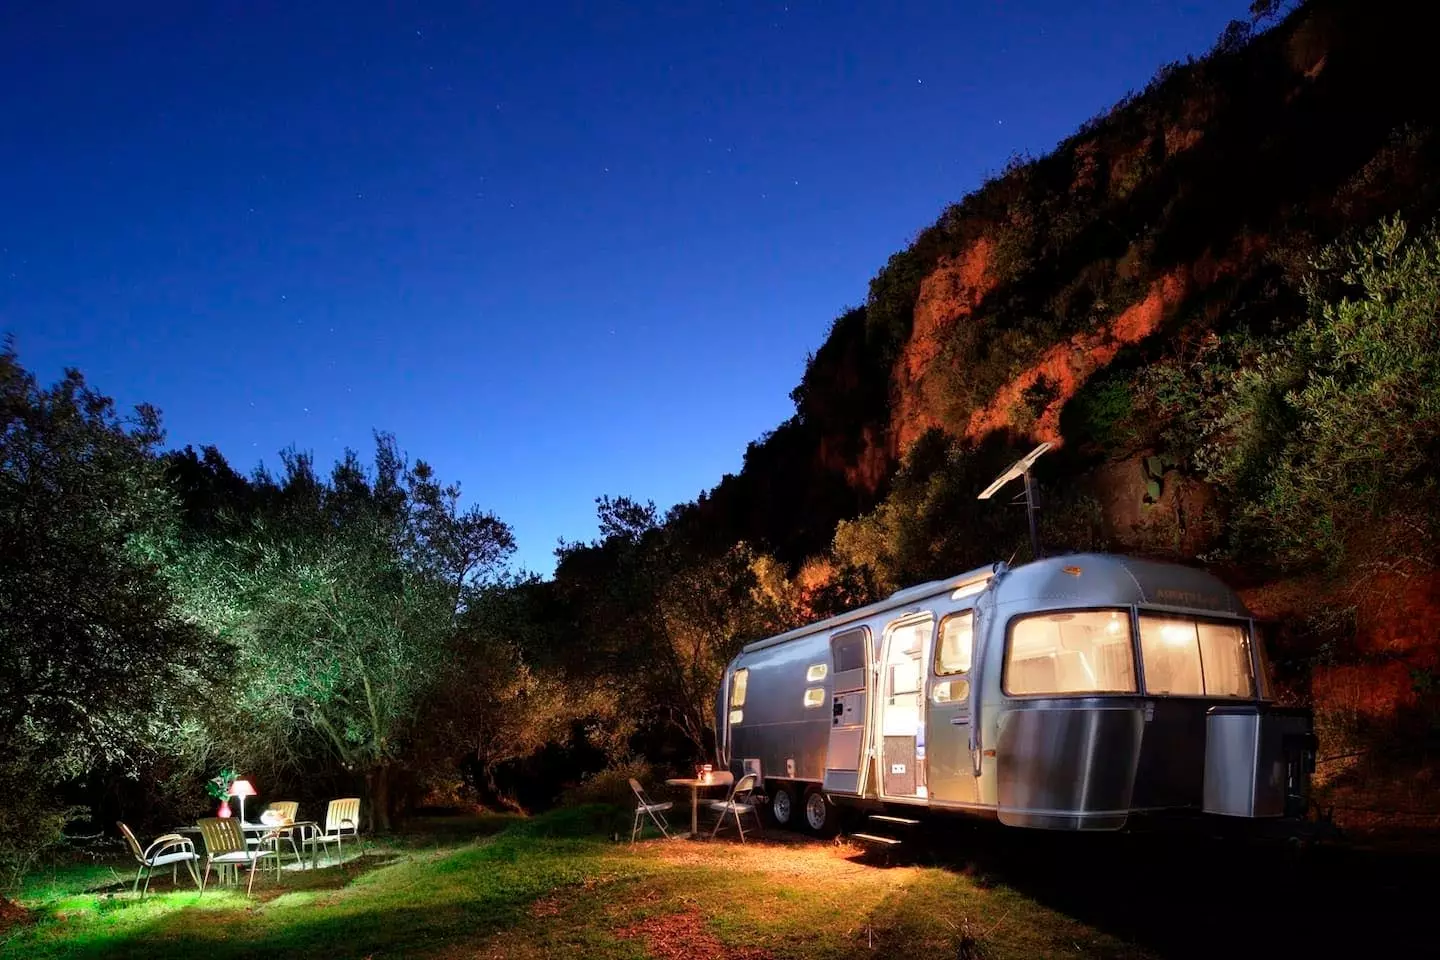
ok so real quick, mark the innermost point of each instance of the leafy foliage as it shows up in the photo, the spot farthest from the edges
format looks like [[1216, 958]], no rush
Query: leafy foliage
[[340, 599], [931, 525], [1337, 426], [94, 663], [662, 619], [96, 667]]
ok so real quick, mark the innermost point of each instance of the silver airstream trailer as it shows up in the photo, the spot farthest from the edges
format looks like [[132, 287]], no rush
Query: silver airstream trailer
[[1072, 693]]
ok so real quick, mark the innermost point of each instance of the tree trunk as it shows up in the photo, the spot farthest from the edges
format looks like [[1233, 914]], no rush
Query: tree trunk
[[378, 783]]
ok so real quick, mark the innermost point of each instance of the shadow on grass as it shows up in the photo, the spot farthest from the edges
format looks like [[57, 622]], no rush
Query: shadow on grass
[[1197, 896]]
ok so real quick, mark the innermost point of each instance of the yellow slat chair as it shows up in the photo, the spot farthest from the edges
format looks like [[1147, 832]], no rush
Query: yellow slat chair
[[286, 809], [342, 820], [225, 846]]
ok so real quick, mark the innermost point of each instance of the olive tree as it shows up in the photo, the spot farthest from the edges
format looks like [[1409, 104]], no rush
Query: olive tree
[[96, 668], [340, 598]]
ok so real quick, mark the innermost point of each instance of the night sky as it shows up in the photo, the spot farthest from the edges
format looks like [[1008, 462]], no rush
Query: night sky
[[558, 250]]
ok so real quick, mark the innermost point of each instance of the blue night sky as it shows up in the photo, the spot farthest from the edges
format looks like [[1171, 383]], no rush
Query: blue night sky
[[558, 250]]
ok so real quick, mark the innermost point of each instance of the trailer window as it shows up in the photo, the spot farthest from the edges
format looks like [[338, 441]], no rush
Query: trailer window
[[957, 643], [849, 649], [814, 696], [1193, 658], [816, 672], [1066, 652], [737, 688]]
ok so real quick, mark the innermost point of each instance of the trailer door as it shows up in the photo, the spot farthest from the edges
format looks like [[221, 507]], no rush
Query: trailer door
[[902, 707], [951, 766], [848, 701]]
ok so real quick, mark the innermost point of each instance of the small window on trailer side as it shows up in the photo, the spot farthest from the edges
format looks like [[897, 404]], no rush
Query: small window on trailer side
[[955, 651], [954, 654], [849, 649], [737, 687]]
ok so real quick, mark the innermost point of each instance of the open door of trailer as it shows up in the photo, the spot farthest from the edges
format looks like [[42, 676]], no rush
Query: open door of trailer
[[949, 759], [902, 708], [849, 699]]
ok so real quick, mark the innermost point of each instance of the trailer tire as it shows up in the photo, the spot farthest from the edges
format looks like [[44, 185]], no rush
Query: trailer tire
[[783, 806], [821, 817]]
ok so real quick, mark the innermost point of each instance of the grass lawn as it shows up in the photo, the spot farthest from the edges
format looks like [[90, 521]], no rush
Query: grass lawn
[[557, 886]]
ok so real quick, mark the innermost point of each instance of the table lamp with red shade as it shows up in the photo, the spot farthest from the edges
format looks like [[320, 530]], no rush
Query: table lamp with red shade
[[242, 789]]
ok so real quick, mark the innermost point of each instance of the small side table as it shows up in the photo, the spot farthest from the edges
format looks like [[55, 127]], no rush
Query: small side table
[[696, 784]]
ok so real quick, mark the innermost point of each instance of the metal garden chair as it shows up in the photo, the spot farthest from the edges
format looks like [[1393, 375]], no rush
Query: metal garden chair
[[647, 807], [342, 819], [225, 845], [741, 801], [170, 851]]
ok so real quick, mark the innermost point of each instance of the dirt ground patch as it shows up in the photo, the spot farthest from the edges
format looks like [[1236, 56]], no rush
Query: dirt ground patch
[[778, 855], [682, 936], [12, 915]]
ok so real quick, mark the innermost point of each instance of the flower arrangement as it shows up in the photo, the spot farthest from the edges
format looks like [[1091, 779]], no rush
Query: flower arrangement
[[219, 787]]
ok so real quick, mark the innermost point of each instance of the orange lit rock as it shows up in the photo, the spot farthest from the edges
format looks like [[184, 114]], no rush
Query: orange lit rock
[[948, 296]]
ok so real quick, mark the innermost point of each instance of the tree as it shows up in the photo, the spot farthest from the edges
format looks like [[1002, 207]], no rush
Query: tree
[[501, 697], [340, 598], [661, 619], [96, 668], [704, 612], [930, 524]]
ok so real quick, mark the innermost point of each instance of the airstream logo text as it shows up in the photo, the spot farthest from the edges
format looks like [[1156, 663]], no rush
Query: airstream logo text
[[1188, 598]]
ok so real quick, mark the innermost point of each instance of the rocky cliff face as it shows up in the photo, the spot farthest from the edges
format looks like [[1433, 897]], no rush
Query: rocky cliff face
[[1041, 305]]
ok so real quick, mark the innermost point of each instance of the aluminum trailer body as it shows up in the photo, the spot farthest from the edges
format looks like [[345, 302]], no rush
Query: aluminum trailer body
[[1072, 693]]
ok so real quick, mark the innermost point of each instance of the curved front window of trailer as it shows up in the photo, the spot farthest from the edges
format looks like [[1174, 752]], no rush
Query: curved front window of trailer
[[1187, 657], [1070, 652]]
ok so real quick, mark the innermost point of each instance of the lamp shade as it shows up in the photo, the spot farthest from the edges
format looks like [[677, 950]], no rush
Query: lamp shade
[[242, 788]]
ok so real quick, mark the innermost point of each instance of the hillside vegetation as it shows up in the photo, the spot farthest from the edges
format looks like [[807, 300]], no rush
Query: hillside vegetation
[[1219, 301]]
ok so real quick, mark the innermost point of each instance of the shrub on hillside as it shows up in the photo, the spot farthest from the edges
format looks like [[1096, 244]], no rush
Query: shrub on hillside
[[1336, 428]]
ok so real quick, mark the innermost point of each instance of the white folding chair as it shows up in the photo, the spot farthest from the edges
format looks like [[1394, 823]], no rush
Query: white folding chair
[[170, 851], [647, 807], [741, 801]]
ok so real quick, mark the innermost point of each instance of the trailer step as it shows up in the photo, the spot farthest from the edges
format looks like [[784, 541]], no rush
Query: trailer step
[[872, 838], [886, 818]]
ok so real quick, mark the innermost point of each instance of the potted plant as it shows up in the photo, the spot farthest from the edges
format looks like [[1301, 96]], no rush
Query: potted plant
[[219, 788]]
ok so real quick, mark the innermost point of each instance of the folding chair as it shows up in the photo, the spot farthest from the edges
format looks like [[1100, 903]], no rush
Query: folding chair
[[655, 811], [170, 851], [741, 800]]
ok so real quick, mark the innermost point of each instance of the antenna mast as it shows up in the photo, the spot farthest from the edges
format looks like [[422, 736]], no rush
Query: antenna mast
[[1020, 469]]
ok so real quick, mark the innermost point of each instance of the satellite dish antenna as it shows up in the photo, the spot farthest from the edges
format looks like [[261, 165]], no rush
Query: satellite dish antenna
[[1020, 470]]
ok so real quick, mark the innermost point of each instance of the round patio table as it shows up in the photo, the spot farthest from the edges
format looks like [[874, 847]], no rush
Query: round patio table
[[696, 784]]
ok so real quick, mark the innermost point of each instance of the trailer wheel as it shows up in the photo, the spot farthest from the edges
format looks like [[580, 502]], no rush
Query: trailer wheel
[[782, 804], [820, 814]]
